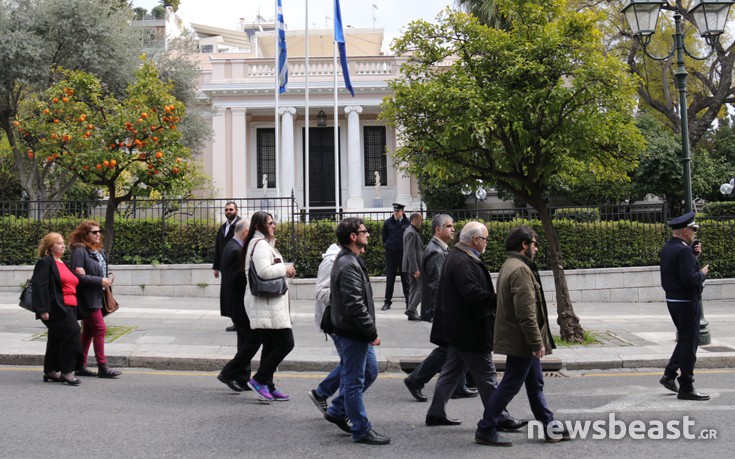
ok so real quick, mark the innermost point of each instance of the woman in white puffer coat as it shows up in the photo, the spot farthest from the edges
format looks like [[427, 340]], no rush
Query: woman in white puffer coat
[[269, 316]]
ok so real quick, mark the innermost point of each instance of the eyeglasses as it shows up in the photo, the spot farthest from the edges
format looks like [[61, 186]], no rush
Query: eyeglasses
[[95, 232], [694, 228], [271, 223], [484, 238], [362, 231]]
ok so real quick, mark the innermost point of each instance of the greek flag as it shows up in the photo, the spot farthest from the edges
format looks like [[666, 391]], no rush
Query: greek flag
[[339, 37], [282, 58]]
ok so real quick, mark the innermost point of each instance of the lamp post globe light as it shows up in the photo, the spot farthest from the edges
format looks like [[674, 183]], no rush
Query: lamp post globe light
[[710, 17]]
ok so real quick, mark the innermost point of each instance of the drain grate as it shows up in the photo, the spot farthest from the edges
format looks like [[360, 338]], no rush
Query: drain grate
[[717, 348]]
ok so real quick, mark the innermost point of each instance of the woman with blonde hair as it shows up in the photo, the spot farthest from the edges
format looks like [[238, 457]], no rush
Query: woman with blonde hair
[[55, 304], [87, 253]]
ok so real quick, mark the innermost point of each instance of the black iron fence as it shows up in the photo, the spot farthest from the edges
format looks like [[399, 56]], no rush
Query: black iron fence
[[183, 231]]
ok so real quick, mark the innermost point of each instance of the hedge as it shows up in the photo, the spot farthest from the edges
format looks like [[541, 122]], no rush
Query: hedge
[[595, 244]]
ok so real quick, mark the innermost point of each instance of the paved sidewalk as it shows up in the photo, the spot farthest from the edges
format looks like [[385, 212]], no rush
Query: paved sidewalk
[[189, 334]]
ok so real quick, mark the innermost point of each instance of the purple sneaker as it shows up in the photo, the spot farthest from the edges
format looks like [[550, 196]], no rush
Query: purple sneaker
[[279, 396], [262, 390]]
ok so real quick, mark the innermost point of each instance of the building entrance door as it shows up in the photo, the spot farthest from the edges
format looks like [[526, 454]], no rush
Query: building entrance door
[[321, 167]]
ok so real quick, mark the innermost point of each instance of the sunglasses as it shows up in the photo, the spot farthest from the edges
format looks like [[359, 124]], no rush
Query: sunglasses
[[95, 232]]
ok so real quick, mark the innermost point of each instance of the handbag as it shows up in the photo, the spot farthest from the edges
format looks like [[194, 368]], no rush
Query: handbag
[[109, 303], [26, 296], [264, 287]]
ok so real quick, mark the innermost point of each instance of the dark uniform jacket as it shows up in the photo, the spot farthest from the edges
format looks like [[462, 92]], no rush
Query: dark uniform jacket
[[431, 270], [393, 233], [353, 312], [522, 321], [221, 241], [680, 274], [465, 314], [234, 281]]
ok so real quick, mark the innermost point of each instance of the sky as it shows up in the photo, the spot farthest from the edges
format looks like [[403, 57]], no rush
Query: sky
[[390, 15]]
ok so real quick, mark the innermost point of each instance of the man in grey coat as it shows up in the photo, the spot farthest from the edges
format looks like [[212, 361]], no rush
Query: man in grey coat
[[413, 253]]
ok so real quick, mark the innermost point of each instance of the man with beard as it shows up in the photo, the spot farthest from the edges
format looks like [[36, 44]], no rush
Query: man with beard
[[521, 333], [224, 234]]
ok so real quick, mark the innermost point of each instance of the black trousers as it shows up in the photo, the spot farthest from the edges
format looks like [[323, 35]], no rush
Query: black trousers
[[248, 343], [685, 316], [431, 366], [64, 344], [393, 261], [277, 344]]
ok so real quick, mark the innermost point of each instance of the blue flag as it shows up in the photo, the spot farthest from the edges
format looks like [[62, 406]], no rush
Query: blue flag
[[281, 50], [339, 37]]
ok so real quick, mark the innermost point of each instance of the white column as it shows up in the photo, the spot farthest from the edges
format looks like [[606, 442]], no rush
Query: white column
[[354, 163], [288, 170], [239, 153], [219, 151], [403, 183]]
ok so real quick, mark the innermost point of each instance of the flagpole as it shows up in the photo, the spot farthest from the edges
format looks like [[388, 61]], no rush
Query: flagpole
[[306, 114], [336, 137], [277, 49]]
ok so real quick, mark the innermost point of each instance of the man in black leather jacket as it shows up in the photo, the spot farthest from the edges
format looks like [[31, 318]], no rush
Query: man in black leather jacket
[[355, 334]]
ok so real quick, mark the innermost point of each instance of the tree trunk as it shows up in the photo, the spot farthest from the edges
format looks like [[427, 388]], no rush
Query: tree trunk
[[569, 326], [112, 204]]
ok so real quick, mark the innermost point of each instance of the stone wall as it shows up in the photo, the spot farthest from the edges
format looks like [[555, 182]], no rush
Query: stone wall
[[610, 285]]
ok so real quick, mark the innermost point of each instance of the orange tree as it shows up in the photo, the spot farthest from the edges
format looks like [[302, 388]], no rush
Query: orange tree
[[129, 146]]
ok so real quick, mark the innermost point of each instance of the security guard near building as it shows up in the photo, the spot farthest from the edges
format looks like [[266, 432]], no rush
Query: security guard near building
[[683, 282]]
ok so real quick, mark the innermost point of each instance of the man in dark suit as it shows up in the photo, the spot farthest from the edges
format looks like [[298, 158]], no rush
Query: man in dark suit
[[236, 372], [224, 234], [413, 253]]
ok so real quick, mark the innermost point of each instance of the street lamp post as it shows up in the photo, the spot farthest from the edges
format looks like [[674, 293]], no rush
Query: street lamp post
[[710, 17]]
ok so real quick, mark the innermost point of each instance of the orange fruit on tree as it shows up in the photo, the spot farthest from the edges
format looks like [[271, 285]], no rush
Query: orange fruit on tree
[[159, 154], [144, 115], [113, 163], [65, 99], [55, 100], [98, 166]]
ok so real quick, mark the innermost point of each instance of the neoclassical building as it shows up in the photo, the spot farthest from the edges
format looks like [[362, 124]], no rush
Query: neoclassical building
[[237, 94]]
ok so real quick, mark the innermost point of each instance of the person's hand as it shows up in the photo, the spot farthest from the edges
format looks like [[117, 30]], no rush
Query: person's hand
[[106, 282], [417, 274], [376, 342], [290, 271], [44, 316], [79, 271], [540, 353], [697, 247], [216, 274], [705, 270]]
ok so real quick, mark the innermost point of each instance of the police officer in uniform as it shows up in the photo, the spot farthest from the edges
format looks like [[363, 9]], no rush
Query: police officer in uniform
[[682, 280], [393, 229]]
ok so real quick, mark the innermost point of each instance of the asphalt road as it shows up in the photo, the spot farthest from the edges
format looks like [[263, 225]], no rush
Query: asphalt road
[[152, 414]]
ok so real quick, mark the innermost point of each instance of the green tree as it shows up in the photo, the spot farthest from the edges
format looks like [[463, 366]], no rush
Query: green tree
[[90, 35], [174, 4], [158, 12], [515, 107], [129, 146]]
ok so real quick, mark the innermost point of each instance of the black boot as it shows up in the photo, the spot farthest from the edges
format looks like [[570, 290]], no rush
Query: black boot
[[107, 372], [84, 371]]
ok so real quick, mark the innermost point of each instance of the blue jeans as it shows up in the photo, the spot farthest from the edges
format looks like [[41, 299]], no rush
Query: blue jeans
[[359, 371], [330, 384]]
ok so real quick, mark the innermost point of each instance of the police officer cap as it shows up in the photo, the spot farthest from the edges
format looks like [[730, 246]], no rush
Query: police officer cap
[[686, 220], [397, 206]]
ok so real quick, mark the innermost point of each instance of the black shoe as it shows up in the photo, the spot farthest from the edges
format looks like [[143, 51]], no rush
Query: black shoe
[[320, 402], [71, 382], [491, 438], [106, 372], [562, 435], [692, 395], [414, 389], [231, 328], [464, 393], [50, 377], [231, 383], [511, 425], [669, 383], [374, 438], [343, 423], [243, 383], [385, 307], [437, 421], [412, 315], [85, 372]]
